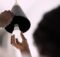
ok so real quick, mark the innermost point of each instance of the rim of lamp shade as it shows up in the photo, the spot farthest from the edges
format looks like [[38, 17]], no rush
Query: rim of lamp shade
[[23, 23]]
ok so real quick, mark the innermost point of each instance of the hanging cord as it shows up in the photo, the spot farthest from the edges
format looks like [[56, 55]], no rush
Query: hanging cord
[[16, 2]]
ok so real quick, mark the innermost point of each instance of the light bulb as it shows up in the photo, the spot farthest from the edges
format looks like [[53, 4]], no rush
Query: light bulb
[[17, 32]]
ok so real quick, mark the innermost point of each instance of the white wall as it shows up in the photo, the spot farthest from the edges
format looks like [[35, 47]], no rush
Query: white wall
[[34, 10]]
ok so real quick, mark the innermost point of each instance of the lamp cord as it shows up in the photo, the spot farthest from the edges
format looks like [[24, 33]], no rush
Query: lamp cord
[[16, 2]]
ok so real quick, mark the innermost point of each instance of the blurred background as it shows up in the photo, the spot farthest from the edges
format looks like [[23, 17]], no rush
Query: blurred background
[[34, 10]]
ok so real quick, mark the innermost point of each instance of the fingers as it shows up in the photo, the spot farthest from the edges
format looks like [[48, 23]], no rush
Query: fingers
[[13, 40], [22, 36], [7, 12], [18, 42]]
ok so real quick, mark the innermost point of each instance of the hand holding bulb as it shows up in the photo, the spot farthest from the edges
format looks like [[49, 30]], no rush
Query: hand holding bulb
[[21, 46]]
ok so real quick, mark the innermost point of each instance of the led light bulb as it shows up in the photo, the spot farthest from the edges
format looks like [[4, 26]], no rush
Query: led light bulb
[[17, 32]]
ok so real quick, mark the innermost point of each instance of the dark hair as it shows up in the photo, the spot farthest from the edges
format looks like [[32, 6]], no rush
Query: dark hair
[[47, 34]]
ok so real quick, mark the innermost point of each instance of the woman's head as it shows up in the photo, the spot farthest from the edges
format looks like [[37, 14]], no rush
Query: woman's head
[[47, 34]]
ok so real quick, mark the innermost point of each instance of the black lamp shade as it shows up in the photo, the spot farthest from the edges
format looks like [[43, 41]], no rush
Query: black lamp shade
[[22, 22], [20, 19]]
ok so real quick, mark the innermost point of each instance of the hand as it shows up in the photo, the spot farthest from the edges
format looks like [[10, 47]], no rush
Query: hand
[[22, 46], [5, 18]]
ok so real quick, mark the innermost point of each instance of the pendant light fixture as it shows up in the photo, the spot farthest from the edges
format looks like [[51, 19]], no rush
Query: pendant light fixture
[[19, 18]]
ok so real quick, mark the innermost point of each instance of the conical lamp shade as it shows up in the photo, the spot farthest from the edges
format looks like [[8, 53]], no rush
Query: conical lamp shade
[[20, 19], [17, 11]]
